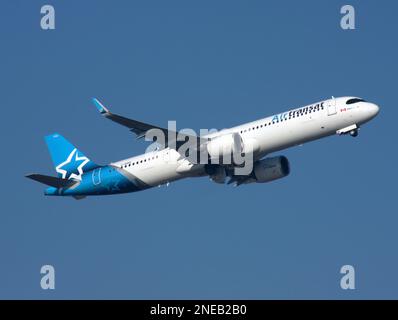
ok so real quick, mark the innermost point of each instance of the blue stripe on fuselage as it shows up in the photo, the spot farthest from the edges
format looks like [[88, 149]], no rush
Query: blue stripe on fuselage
[[101, 181]]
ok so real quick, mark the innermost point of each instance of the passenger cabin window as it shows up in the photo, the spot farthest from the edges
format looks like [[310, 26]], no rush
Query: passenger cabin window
[[355, 100]]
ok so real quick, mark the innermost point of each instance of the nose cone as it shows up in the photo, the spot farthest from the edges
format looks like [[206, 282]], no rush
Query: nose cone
[[372, 109]]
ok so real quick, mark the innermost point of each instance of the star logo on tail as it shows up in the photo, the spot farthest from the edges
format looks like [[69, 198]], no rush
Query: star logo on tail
[[72, 167]]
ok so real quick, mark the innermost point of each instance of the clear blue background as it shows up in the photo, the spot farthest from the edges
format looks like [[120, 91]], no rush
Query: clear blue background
[[205, 64]]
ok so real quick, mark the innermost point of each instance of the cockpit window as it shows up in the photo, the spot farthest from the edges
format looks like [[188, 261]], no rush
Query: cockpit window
[[355, 100]]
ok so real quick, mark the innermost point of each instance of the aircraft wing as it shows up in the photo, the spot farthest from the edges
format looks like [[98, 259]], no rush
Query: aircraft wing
[[142, 128]]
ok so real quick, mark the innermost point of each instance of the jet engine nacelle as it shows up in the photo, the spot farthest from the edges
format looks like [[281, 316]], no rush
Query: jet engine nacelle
[[225, 146], [270, 169]]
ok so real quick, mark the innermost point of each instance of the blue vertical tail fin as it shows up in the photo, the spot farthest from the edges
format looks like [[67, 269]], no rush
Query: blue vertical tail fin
[[69, 162]]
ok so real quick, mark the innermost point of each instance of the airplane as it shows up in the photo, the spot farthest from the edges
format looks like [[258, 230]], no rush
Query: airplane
[[79, 177]]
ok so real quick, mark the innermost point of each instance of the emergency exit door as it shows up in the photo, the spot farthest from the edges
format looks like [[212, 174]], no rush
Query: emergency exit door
[[331, 106]]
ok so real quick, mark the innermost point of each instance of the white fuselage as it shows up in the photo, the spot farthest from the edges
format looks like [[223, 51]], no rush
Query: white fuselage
[[267, 135]]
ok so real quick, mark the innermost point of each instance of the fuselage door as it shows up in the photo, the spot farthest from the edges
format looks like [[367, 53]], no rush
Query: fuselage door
[[331, 106], [97, 176]]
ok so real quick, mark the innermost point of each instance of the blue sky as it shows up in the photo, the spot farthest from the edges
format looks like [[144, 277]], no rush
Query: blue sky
[[205, 64]]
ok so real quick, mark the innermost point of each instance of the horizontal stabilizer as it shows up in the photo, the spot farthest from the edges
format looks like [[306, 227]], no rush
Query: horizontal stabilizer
[[51, 181]]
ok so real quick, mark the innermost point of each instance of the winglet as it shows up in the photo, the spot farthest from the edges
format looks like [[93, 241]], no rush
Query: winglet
[[100, 106]]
